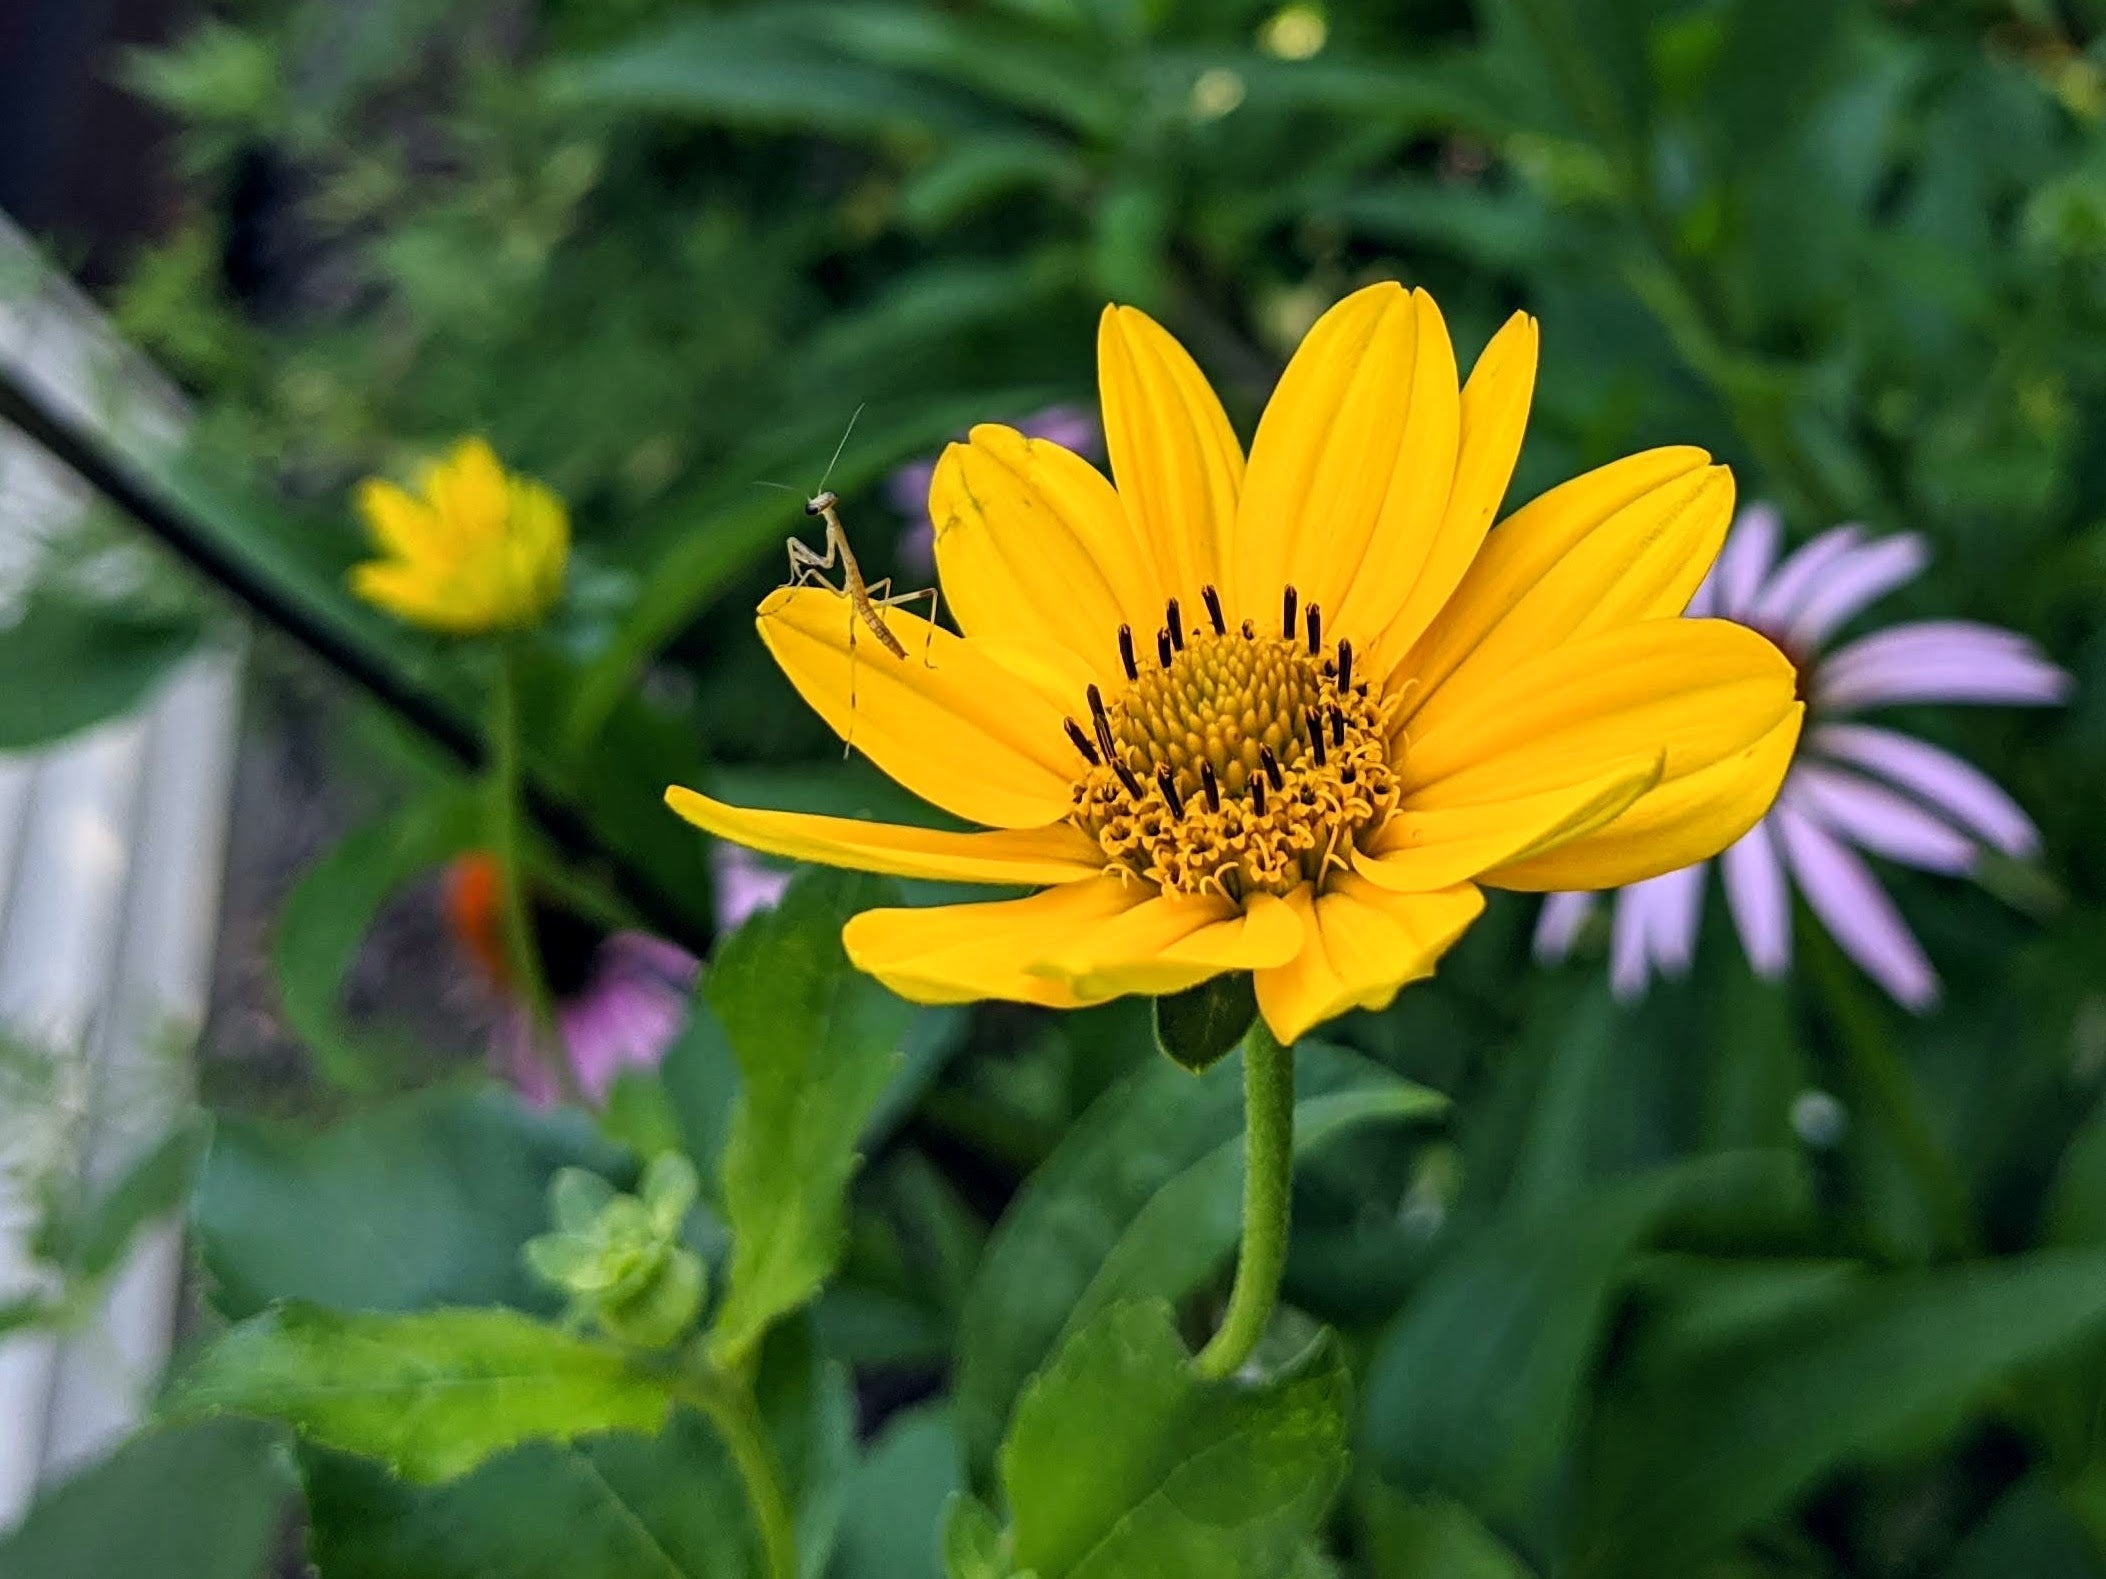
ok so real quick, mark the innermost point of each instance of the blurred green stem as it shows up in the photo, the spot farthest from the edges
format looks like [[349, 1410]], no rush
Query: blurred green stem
[[729, 1404], [1268, 1199], [507, 783], [1896, 1103]]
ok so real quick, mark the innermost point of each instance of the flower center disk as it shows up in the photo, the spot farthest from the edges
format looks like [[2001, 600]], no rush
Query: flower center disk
[[1237, 762]]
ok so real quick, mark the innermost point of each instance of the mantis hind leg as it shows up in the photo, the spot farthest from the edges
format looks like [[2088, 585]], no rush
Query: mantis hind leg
[[882, 596], [848, 741]]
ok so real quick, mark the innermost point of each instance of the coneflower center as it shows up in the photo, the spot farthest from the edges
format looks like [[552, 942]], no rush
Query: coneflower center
[[1234, 761]]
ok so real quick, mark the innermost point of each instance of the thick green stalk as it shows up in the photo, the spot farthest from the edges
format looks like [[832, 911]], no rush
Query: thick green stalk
[[1268, 1197], [507, 784], [729, 1404]]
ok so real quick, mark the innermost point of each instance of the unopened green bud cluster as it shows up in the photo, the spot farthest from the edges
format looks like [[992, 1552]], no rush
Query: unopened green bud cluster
[[620, 1258]]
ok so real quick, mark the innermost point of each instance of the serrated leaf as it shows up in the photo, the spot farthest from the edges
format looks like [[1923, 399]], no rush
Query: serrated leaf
[[326, 917], [425, 1201], [71, 664], [1862, 1373], [430, 1395], [972, 1540], [1142, 1200], [1199, 1027], [816, 1041], [1473, 1391], [1121, 1461], [197, 1501], [613, 1506]]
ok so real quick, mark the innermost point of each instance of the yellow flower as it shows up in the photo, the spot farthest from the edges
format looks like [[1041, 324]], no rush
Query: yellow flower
[[1284, 718], [474, 550]]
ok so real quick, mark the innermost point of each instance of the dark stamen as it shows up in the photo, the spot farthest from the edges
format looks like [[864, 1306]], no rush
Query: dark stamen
[[1345, 774], [1133, 785], [1345, 664], [1162, 646], [1316, 737], [1250, 630], [1166, 781], [1082, 741], [1272, 767], [1102, 724], [1213, 602], [1257, 796], [1316, 630], [1337, 728], [1177, 625], [1287, 602], [1211, 785], [1133, 670]]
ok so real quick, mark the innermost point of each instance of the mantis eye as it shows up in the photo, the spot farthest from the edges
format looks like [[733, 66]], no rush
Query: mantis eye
[[811, 507]]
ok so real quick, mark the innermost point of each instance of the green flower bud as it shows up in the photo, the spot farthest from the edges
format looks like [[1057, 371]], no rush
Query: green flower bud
[[620, 1258]]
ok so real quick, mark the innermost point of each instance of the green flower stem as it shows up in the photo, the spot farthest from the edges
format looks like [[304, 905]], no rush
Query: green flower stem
[[1268, 1198], [729, 1404], [507, 782]]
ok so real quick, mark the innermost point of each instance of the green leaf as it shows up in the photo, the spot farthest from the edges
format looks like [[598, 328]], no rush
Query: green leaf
[[1429, 1538], [1142, 1200], [892, 1525], [972, 1540], [430, 1395], [614, 1506], [199, 1501], [767, 68], [71, 663], [1199, 1027], [1882, 1365], [816, 1041], [326, 918], [423, 1202], [1475, 1389], [1121, 1461]]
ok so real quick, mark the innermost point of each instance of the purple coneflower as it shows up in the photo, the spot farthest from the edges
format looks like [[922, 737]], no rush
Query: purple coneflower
[[1854, 786], [907, 489], [620, 999]]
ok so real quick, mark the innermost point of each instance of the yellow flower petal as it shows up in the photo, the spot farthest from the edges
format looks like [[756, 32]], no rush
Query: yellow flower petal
[[1032, 545], [1423, 848], [957, 953], [1173, 453], [947, 721], [467, 490], [1361, 944], [1353, 459], [1676, 825], [1713, 699], [413, 593], [1057, 853], [1171, 943], [1628, 541], [1413, 583], [400, 524]]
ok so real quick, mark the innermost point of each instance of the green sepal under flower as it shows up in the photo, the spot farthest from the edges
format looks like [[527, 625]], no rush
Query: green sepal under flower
[[620, 1258]]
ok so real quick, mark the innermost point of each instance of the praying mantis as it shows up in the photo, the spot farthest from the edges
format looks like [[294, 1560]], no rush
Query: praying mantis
[[867, 600]]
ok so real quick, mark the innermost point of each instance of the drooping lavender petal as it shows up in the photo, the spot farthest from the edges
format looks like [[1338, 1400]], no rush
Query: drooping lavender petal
[[1630, 943], [1673, 916], [1881, 820], [626, 1017], [1939, 661], [1558, 924], [1961, 791], [1744, 563], [1863, 576], [1760, 900], [1856, 910], [907, 490], [1071, 427], [1803, 570]]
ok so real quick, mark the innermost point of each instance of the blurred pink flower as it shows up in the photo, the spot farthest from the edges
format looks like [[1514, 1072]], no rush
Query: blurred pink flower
[[621, 999], [1854, 786], [907, 490]]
